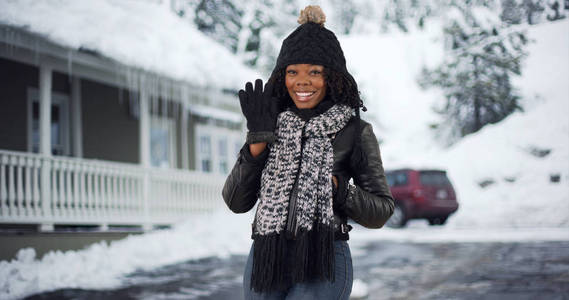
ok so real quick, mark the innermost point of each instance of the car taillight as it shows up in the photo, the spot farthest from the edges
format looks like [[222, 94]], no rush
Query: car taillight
[[418, 195]]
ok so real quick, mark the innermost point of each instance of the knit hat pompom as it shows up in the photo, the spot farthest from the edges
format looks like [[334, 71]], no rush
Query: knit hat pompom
[[312, 13]]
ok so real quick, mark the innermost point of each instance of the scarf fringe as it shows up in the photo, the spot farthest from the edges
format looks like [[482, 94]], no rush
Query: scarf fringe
[[269, 258], [313, 257]]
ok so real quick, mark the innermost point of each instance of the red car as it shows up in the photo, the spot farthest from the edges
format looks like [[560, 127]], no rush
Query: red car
[[421, 194]]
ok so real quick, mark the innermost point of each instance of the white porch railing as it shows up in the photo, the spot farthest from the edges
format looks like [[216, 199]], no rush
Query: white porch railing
[[55, 190]]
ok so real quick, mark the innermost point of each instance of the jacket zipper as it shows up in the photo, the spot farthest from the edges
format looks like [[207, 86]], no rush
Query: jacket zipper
[[292, 222]]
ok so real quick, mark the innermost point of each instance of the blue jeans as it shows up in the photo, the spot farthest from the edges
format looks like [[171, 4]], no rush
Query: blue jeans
[[339, 289]]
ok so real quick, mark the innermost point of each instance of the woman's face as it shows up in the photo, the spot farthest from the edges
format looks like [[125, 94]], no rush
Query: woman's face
[[305, 84]]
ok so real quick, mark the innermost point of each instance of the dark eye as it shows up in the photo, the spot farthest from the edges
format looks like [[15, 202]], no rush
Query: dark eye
[[316, 72], [291, 72]]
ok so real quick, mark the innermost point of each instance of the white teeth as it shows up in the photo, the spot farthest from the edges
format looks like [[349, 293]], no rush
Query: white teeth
[[304, 94]]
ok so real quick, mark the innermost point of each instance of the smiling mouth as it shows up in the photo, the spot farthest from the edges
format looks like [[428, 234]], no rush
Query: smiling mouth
[[304, 96]]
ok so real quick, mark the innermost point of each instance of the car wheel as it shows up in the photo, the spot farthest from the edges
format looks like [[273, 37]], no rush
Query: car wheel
[[438, 220], [398, 219]]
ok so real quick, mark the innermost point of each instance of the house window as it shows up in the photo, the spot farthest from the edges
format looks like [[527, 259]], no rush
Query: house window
[[222, 152], [59, 123], [205, 153], [216, 148], [236, 148], [162, 142]]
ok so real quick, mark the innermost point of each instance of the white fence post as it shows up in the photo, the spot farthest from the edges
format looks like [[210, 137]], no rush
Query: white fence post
[[3, 188], [146, 198], [45, 194]]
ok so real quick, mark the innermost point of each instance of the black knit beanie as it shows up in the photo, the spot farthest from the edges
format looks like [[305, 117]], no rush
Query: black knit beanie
[[312, 43]]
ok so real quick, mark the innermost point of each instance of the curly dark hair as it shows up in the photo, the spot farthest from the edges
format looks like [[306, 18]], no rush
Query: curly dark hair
[[338, 86]]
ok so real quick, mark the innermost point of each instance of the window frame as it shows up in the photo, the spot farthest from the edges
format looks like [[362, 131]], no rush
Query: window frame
[[159, 121], [217, 134], [57, 99]]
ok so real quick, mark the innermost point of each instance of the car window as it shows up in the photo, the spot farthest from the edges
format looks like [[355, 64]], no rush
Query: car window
[[433, 178], [397, 178]]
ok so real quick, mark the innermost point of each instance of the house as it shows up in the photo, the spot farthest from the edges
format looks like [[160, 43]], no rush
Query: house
[[112, 113]]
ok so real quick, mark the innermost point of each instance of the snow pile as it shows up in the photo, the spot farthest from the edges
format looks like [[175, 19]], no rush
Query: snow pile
[[137, 33], [101, 265], [516, 157], [506, 156], [359, 289], [419, 231], [386, 68]]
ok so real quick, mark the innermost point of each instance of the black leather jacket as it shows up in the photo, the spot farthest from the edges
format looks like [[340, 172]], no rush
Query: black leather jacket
[[369, 204]]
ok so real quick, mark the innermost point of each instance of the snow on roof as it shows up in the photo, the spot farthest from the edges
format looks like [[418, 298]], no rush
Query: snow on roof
[[137, 33]]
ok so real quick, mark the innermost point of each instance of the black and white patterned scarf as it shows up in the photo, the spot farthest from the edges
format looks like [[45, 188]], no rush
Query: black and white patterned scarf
[[299, 167]]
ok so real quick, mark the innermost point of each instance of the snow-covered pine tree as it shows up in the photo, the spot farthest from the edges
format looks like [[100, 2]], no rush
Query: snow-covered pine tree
[[342, 13], [512, 12], [482, 54], [265, 24], [533, 10], [409, 14], [555, 10], [251, 29], [397, 12], [219, 19]]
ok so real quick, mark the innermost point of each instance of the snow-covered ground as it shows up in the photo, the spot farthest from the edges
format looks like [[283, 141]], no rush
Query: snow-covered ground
[[101, 265], [528, 209]]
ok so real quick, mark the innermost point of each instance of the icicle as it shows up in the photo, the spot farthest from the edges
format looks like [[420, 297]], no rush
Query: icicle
[[176, 111], [164, 109], [70, 65], [36, 51], [152, 94]]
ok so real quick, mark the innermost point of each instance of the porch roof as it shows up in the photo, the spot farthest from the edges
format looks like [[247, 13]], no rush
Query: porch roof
[[215, 113], [138, 34]]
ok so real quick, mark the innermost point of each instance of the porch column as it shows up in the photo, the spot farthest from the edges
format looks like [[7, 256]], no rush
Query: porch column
[[77, 125], [45, 110], [184, 131], [45, 145], [144, 130]]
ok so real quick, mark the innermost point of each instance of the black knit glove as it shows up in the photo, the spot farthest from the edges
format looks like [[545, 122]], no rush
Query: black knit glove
[[340, 193], [260, 109]]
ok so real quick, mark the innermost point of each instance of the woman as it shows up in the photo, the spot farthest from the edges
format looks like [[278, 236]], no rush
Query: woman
[[305, 142]]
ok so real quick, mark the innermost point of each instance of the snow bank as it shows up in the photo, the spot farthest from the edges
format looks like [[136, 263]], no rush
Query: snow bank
[[421, 232], [386, 68], [137, 33], [505, 153], [101, 265], [360, 289], [508, 153], [104, 265]]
